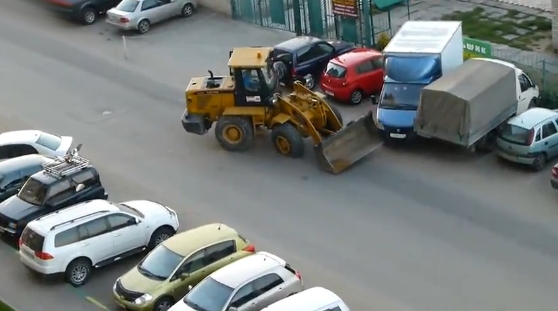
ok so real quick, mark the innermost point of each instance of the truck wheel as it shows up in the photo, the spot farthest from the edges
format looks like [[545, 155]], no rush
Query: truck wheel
[[287, 140], [234, 133], [539, 163]]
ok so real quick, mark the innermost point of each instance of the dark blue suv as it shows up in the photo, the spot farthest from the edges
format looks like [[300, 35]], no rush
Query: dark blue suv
[[304, 58]]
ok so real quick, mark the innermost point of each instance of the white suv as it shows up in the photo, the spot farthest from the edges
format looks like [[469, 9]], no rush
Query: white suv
[[73, 241]]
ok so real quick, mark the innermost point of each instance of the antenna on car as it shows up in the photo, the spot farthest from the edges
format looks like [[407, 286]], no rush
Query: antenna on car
[[219, 228]]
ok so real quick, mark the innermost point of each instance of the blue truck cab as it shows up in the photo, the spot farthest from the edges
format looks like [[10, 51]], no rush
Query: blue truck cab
[[398, 102], [419, 54]]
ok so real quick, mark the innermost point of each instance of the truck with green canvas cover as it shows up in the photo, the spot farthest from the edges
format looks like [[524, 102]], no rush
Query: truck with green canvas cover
[[467, 105]]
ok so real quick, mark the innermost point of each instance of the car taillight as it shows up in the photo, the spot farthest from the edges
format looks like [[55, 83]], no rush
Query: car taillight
[[124, 20], [20, 242], [293, 72], [555, 172], [250, 248], [43, 256], [298, 276], [531, 137]]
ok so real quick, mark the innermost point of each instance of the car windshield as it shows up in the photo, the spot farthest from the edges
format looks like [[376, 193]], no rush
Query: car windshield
[[127, 6], [515, 134], [33, 192], [130, 210], [400, 96], [270, 78], [50, 141], [208, 295], [335, 71], [160, 263]]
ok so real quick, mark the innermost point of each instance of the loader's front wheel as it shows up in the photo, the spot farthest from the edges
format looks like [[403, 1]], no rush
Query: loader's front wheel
[[287, 140], [234, 133]]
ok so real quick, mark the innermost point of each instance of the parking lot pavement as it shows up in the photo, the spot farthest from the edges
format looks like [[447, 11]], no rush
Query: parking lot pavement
[[391, 234]]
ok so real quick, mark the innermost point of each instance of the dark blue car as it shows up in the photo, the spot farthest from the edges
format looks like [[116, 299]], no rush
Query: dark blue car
[[304, 58]]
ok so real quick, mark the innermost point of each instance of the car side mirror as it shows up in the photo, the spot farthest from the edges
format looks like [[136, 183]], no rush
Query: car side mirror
[[232, 309], [374, 100], [190, 287], [80, 187]]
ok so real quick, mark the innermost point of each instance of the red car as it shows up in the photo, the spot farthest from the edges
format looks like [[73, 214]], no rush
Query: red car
[[353, 75]]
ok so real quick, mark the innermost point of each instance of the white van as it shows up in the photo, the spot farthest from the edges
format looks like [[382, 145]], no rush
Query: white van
[[312, 299]]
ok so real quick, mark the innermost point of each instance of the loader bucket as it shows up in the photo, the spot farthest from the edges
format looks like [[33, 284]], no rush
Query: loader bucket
[[344, 148]]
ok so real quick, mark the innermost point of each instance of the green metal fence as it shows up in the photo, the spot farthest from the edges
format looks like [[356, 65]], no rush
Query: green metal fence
[[316, 18]]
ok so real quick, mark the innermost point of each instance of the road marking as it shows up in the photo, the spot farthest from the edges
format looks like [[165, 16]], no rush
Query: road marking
[[96, 302]]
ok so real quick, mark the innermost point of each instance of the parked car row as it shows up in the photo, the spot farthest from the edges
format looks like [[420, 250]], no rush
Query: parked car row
[[56, 206]]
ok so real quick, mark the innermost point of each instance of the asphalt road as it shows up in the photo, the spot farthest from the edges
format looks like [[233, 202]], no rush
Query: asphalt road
[[405, 230]]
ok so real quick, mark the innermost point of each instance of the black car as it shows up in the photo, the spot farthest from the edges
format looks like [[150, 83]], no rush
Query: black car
[[61, 183], [14, 172], [82, 11], [304, 58]]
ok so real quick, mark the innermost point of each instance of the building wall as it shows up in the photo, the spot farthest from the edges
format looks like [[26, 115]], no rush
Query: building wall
[[221, 6]]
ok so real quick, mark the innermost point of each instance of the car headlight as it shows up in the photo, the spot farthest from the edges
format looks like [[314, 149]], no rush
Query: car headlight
[[379, 124], [12, 225], [143, 299]]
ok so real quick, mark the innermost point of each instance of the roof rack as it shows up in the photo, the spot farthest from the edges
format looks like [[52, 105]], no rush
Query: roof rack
[[62, 166], [76, 219]]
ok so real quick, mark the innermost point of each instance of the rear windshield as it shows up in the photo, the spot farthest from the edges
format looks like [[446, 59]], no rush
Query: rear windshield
[[127, 6], [52, 142], [335, 71], [32, 239], [515, 134]]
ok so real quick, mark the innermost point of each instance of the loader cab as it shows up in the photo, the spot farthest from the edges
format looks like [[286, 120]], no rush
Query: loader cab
[[254, 78]]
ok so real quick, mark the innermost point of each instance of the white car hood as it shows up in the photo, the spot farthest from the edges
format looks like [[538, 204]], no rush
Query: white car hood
[[148, 208], [180, 306], [65, 145]]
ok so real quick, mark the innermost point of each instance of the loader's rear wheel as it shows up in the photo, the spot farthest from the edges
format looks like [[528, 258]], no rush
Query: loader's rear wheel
[[234, 133], [287, 140]]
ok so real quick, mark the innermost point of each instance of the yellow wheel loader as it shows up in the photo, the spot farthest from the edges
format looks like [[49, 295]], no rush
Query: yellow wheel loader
[[248, 100]]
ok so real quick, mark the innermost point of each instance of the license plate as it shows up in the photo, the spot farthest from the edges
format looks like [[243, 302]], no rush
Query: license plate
[[395, 135], [329, 93]]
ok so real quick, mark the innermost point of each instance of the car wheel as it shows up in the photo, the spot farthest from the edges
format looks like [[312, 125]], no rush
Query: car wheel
[[163, 304], [88, 16], [78, 272], [309, 82], [280, 70], [143, 26], [539, 163], [159, 236], [187, 10], [356, 97]]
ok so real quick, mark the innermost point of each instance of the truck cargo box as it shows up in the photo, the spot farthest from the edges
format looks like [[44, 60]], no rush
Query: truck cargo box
[[467, 103]]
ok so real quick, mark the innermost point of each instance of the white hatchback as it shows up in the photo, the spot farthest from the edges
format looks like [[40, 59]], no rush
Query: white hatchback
[[73, 241], [18, 143]]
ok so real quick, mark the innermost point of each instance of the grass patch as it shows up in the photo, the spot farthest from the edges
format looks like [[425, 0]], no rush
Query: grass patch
[[513, 29], [5, 307]]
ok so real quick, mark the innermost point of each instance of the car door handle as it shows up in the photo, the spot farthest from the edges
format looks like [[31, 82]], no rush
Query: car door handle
[[546, 143], [85, 244], [280, 288], [117, 234], [254, 303]]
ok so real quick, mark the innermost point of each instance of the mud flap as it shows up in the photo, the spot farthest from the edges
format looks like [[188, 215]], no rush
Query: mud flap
[[344, 148]]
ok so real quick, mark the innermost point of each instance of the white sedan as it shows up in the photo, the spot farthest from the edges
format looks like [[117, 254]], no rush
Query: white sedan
[[18, 143]]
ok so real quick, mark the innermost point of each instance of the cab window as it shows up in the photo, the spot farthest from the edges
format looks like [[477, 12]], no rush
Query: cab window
[[251, 80]]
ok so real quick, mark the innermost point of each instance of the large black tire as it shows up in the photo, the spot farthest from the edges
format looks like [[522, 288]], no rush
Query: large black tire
[[280, 70], [88, 16], [78, 272], [159, 236], [229, 125], [163, 304], [539, 163], [287, 140]]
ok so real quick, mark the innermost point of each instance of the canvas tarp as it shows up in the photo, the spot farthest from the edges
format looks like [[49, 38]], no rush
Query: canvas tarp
[[468, 102]]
